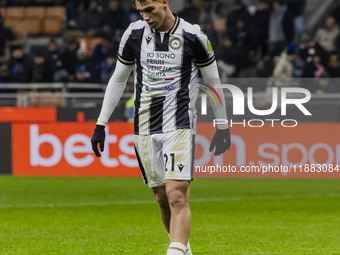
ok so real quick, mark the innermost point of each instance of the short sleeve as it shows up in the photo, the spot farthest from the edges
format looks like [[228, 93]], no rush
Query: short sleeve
[[204, 54], [125, 53]]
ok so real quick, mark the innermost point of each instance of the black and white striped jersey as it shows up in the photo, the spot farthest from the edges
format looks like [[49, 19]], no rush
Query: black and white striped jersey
[[165, 74]]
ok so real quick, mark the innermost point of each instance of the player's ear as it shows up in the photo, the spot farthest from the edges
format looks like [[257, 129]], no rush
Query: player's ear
[[165, 3]]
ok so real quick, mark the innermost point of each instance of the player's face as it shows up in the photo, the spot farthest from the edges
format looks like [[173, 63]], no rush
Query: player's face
[[153, 12]]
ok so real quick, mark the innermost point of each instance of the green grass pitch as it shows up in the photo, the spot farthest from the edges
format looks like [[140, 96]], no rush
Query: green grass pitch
[[40, 215]]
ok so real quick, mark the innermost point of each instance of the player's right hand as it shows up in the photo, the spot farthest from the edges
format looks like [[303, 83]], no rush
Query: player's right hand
[[98, 137]]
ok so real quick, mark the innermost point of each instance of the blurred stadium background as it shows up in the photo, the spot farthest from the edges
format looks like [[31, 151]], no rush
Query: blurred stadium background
[[57, 198]]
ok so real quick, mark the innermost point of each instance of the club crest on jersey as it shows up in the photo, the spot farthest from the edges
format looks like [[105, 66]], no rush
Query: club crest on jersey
[[148, 39], [175, 43]]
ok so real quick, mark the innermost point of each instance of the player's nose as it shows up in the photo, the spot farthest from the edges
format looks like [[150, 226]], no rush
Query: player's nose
[[145, 17]]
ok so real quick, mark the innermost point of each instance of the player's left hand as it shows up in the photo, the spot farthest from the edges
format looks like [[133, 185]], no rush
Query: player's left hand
[[221, 141], [98, 137]]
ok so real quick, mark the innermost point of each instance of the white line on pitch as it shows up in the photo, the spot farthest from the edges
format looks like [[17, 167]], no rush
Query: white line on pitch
[[154, 202]]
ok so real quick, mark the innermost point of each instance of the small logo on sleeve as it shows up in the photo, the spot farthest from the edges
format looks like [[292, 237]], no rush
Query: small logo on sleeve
[[209, 45]]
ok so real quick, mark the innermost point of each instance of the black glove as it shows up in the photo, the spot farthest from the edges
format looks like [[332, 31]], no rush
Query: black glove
[[221, 141], [98, 137]]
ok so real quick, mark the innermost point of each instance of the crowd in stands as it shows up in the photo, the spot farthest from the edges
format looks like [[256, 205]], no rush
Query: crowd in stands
[[68, 63], [269, 38]]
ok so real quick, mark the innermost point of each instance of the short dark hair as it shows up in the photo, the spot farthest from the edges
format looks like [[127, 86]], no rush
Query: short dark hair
[[142, 2]]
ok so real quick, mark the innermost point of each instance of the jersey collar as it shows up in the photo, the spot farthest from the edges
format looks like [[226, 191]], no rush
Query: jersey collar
[[173, 28]]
